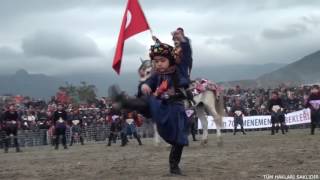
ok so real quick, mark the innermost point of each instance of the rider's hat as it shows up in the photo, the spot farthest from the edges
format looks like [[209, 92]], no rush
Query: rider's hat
[[164, 50]]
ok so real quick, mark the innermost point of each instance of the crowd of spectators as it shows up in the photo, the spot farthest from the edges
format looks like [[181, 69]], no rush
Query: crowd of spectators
[[36, 115], [255, 101]]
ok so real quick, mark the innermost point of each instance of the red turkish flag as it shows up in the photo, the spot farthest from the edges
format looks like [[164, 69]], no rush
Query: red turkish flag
[[137, 24]]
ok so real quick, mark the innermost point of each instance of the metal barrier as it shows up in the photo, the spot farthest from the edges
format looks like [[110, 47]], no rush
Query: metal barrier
[[95, 133]]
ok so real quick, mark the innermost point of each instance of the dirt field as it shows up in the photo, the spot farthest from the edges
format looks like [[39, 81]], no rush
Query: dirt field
[[248, 156]]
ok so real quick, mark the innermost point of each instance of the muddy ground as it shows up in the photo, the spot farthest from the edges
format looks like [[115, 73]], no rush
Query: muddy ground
[[252, 156]]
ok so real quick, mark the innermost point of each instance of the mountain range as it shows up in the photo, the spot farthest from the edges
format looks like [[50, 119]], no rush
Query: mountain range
[[302, 71]]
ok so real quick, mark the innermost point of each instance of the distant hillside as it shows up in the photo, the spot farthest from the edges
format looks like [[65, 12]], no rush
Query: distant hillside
[[34, 85], [304, 71], [129, 81], [234, 72], [43, 86]]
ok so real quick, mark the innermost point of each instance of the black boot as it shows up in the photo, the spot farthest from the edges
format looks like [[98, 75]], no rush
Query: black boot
[[193, 131], [282, 129], [136, 104], [139, 141], [194, 137], [272, 129], [313, 127], [174, 168], [114, 138], [53, 141], [64, 142], [138, 138], [81, 140], [6, 144], [57, 142], [16, 144], [174, 159], [110, 139], [124, 139], [244, 133], [133, 104], [71, 141]]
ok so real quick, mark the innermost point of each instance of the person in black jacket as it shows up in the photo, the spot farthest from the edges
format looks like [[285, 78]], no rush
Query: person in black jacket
[[10, 123], [238, 113], [192, 119], [115, 124], [59, 122], [129, 126], [313, 103], [76, 127], [276, 109], [183, 54]]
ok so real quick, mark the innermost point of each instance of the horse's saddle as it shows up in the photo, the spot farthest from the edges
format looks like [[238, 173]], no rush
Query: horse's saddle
[[201, 85]]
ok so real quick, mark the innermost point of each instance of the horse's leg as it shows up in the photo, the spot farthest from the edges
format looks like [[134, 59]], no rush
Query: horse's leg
[[156, 137], [210, 107], [204, 123], [217, 119]]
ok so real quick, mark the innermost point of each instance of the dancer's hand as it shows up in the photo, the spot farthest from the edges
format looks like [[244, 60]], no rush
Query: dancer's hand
[[179, 36], [146, 89], [155, 39]]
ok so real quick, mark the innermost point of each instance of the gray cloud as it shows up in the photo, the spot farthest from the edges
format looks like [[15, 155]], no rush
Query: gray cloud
[[133, 47], [8, 53], [59, 45], [241, 43], [18, 7], [222, 32], [312, 19], [12, 60], [287, 32]]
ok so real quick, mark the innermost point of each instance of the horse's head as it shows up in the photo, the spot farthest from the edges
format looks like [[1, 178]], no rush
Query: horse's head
[[145, 69]]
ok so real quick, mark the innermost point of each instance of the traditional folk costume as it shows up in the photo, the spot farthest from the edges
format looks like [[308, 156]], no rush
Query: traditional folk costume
[[129, 128], [115, 125], [76, 128], [238, 113], [193, 119], [314, 104], [166, 107], [59, 121], [10, 124], [277, 114]]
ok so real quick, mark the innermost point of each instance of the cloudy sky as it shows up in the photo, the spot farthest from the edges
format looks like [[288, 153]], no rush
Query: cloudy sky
[[60, 37]]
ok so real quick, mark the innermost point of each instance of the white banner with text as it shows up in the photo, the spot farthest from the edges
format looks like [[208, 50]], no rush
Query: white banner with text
[[254, 122]]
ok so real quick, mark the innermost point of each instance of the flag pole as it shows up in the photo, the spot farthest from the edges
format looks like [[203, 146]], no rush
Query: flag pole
[[151, 31]]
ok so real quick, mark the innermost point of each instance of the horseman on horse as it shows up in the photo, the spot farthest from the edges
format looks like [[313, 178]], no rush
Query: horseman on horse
[[201, 93]]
